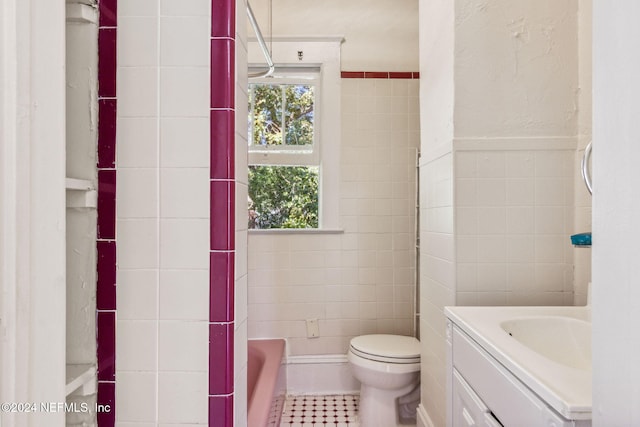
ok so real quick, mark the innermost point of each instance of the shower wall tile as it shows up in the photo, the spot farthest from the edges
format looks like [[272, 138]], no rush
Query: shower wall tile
[[184, 142], [185, 8], [137, 297], [182, 397], [138, 92], [184, 243], [140, 36], [138, 8], [163, 212], [137, 396], [137, 243], [138, 345], [181, 92], [176, 336], [180, 31], [184, 295], [137, 193], [184, 193], [137, 138]]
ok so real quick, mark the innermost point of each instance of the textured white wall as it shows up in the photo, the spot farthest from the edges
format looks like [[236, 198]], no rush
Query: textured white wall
[[515, 68], [380, 35]]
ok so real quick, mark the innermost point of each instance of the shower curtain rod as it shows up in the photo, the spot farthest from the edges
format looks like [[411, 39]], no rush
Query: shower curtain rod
[[263, 47]]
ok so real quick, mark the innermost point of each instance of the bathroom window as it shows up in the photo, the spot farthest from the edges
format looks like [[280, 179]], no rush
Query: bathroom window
[[283, 150], [294, 137]]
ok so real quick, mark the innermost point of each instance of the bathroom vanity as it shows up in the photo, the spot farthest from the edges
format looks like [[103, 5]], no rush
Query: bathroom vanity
[[518, 366]]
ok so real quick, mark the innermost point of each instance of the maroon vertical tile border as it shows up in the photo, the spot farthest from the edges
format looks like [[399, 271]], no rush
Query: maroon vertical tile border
[[221, 411], [107, 62], [108, 13], [222, 212], [106, 210], [223, 73], [380, 74], [221, 278], [106, 322], [106, 204], [221, 356], [223, 18], [106, 287], [107, 133], [106, 413], [222, 219], [222, 143]]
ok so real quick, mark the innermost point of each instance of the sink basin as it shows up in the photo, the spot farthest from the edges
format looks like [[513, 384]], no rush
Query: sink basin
[[564, 340], [547, 348]]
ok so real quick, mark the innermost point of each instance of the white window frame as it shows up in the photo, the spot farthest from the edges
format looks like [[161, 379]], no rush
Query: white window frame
[[324, 54], [291, 155]]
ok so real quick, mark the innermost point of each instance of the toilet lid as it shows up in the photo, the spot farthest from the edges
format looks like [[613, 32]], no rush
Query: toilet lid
[[387, 348]]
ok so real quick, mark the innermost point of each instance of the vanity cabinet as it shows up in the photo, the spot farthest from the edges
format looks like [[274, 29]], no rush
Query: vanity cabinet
[[482, 392]]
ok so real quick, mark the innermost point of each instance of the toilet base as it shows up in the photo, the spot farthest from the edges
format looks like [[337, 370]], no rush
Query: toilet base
[[378, 406]]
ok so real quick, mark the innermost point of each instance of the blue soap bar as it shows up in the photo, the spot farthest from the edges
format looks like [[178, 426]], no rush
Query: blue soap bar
[[582, 239]]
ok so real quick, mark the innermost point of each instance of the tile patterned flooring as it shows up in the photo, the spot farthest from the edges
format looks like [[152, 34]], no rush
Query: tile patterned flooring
[[321, 411]]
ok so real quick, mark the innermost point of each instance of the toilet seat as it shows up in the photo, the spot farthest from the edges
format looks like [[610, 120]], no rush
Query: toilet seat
[[394, 349]]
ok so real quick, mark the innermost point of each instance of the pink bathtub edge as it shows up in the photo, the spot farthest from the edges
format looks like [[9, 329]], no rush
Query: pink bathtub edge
[[265, 379]]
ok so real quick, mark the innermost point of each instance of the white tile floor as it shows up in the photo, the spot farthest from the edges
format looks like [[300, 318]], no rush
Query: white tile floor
[[321, 411]]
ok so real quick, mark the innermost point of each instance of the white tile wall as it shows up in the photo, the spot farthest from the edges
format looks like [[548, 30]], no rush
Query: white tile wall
[[361, 281], [163, 213], [437, 273], [514, 216]]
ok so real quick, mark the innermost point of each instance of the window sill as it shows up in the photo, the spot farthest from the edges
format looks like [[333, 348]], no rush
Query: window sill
[[298, 231]]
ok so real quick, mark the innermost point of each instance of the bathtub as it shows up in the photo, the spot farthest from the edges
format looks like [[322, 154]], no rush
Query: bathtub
[[266, 382]]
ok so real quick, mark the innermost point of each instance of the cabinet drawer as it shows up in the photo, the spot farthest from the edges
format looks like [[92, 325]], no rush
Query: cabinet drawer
[[510, 401], [468, 408]]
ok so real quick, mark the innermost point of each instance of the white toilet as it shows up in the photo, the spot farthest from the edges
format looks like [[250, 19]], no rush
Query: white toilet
[[388, 367]]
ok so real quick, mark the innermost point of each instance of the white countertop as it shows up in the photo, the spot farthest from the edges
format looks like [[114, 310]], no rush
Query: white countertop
[[565, 389]]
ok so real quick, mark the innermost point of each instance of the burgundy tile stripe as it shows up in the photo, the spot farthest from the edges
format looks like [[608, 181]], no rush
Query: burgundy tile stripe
[[379, 75], [106, 210], [222, 213], [221, 411]]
